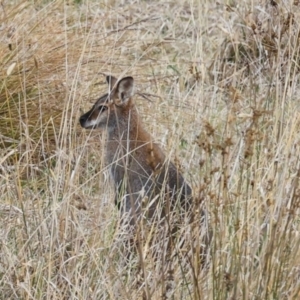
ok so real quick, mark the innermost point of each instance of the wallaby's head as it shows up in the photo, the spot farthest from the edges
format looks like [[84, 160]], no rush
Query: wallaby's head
[[110, 106]]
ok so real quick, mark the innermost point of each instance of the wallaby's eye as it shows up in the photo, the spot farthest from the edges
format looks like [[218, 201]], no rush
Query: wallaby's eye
[[102, 108]]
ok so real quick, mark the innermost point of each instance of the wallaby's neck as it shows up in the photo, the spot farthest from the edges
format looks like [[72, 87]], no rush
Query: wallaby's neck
[[129, 128]]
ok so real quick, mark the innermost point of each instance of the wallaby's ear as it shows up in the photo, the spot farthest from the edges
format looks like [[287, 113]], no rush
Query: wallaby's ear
[[111, 81], [125, 89]]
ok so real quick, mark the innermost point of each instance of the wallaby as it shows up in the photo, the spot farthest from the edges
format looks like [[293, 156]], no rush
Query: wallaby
[[139, 168]]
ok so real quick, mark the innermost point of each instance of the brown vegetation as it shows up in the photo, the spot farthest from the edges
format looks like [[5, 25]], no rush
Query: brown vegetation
[[218, 87]]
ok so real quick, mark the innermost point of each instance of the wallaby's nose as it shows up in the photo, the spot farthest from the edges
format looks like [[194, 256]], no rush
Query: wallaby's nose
[[82, 120]]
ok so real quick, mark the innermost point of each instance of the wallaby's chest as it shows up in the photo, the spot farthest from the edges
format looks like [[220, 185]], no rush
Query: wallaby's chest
[[127, 163]]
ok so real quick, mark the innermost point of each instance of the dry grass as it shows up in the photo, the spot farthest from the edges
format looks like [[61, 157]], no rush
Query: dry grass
[[222, 82]]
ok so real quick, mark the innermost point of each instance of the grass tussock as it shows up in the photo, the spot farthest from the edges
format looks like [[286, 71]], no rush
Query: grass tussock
[[218, 85]]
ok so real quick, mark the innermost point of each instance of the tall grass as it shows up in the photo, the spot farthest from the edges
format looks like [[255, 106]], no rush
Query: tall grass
[[218, 86]]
